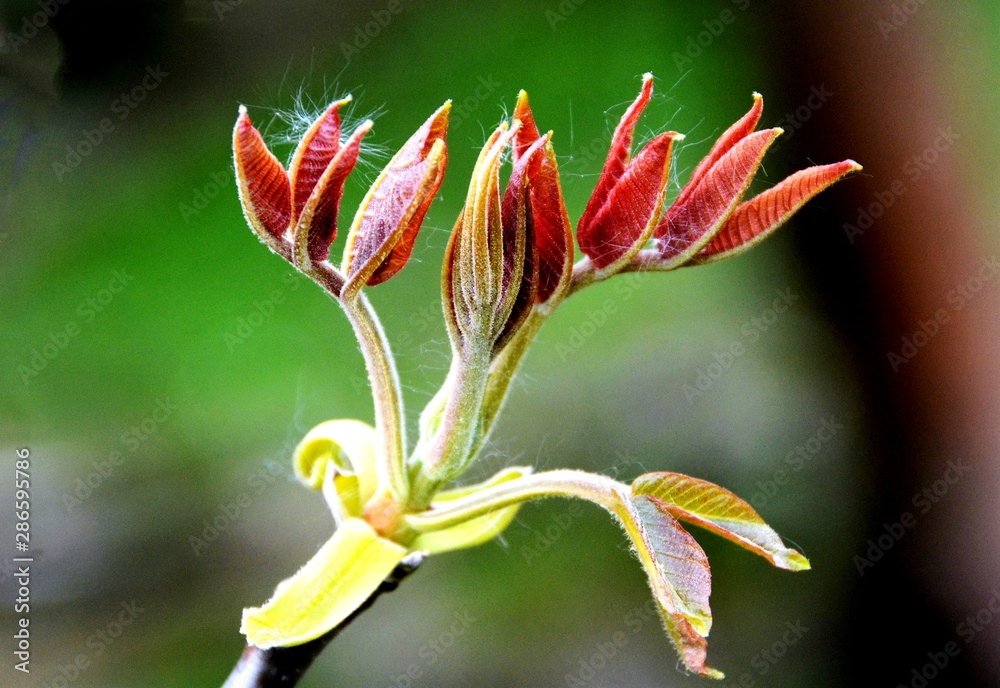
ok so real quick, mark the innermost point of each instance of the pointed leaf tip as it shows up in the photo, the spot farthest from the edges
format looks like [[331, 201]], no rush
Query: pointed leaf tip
[[335, 582], [553, 233], [385, 227], [695, 218], [316, 149], [739, 130], [633, 208], [756, 219], [717, 509], [317, 225], [618, 158], [264, 189]]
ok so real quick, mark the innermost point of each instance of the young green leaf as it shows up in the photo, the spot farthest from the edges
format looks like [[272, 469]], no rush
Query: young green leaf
[[678, 574], [335, 582], [348, 444], [474, 531], [720, 511]]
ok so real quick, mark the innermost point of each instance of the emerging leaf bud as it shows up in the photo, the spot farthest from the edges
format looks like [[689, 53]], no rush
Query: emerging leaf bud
[[386, 225], [490, 273]]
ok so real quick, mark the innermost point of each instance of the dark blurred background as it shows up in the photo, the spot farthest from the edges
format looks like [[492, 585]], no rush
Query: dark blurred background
[[160, 364]]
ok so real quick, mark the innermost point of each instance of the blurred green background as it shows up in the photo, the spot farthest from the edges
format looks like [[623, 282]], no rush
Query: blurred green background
[[152, 348]]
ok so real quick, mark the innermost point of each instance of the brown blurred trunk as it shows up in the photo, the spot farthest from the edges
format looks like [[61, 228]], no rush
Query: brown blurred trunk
[[895, 98]]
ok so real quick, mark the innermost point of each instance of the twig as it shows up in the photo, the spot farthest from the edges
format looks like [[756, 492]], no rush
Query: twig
[[284, 666]]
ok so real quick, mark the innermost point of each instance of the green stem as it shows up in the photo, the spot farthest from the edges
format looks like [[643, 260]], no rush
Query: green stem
[[386, 393], [450, 450], [598, 489], [382, 374]]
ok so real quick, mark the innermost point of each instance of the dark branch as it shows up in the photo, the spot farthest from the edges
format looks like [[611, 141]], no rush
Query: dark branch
[[284, 666]]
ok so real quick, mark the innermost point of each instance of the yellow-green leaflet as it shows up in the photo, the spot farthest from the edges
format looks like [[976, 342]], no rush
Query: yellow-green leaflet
[[337, 440], [678, 574], [476, 531], [720, 511], [335, 582]]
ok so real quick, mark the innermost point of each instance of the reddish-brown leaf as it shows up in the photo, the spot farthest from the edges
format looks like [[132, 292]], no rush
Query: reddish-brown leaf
[[618, 156], [756, 219], [520, 265], [634, 203], [389, 218], [264, 188], [740, 129], [312, 156], [550, 221], [317, 226], [688, 226]]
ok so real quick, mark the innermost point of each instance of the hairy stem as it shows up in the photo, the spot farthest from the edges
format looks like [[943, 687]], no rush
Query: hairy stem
[[386, 393], [284, 666], [595, 488], [451, 448]]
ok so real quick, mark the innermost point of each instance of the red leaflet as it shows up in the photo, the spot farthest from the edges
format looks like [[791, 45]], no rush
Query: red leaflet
[[756, 219], [317, 226], [618, 156], [633, 204], [390, 216], [520, 265], [314, 152], [551, 227], [733, 135], [264, 189], [687, 226]]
